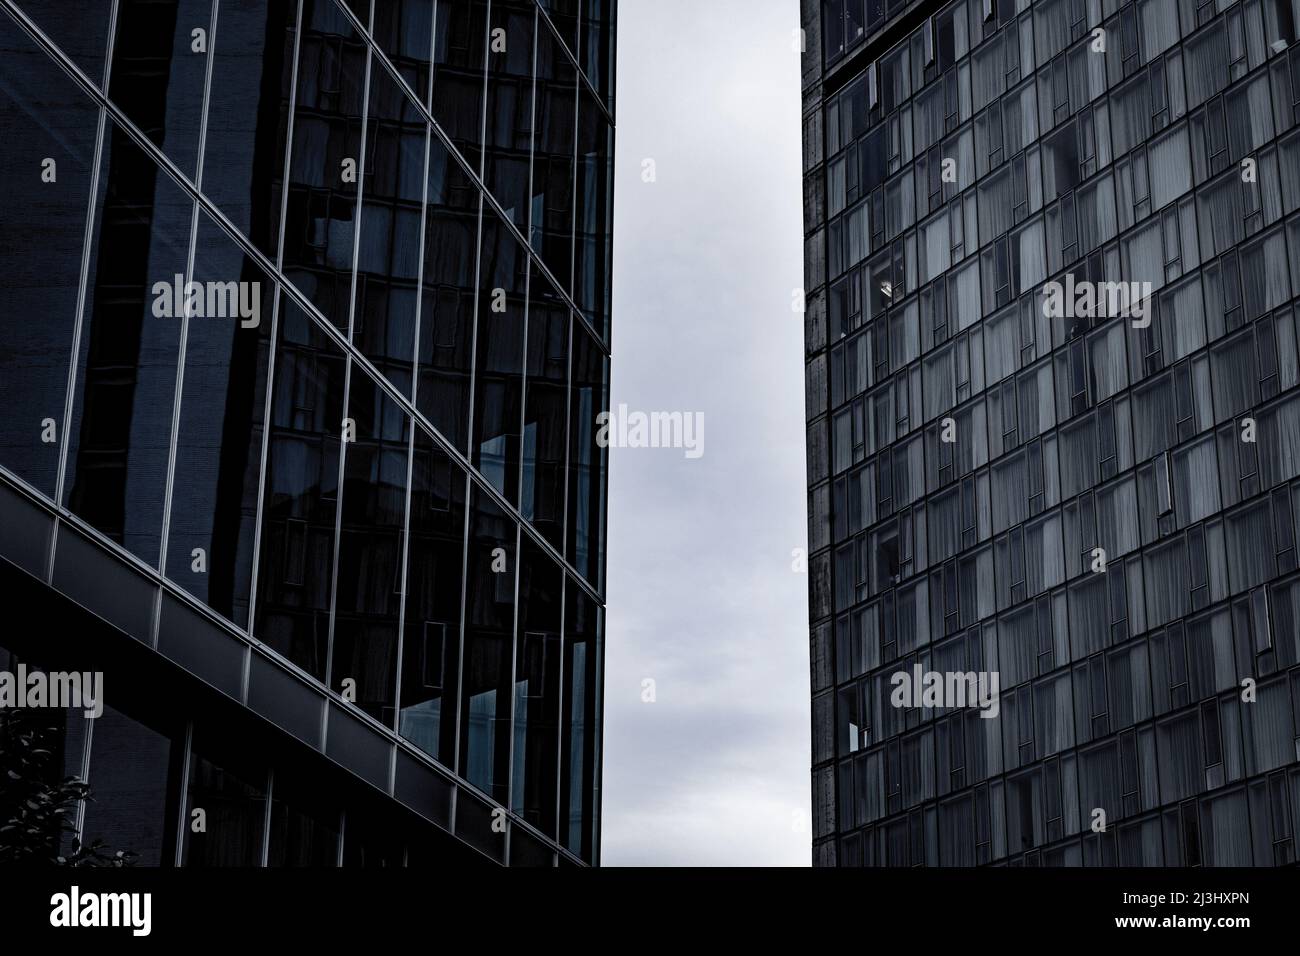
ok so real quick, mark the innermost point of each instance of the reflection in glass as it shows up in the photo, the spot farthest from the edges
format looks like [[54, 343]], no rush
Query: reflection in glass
[[79, 27], [585, 547], [541, 496], [597, 51], [301, 496], [157, 77], [211, 444], [45, 116], [489, 638], [580, 733], [230, 790], [537, 678], [304, 826], [126, 370], [447, 303], [327, 163], [499, 359], [431, 643], [368, 600], [551, 222], [564, 15], [247, 121], [404, 30], [388, 257], [509, 129], [131, 771], [216, 475], [594, 249], [459, 64]]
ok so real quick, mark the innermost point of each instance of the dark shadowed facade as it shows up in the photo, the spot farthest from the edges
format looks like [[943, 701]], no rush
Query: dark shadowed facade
[[1098, 510], [330, 520]]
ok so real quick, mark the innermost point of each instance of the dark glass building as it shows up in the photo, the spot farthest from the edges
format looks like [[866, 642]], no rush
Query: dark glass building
[[1096, 509], [304, 329]]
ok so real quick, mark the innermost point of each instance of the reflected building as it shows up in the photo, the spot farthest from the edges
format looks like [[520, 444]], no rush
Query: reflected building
[[1099, 510], [304, 329]]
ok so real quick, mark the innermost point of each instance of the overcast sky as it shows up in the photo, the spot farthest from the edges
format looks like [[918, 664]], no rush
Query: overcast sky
[[702, 596]]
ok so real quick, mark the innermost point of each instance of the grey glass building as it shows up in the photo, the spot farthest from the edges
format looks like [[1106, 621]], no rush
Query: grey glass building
[[1101, 510], [304, 329]]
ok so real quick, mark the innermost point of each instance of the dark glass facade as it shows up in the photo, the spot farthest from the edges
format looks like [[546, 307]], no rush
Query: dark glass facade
[[304, 328], [1101, 511]]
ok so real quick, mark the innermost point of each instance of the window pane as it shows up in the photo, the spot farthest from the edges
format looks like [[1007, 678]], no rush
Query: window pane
[[447, 303], [593, 250], [126, 372], [499, 356], [551, 229], [598, 45], [367, 602], [404, 30], [489, 641], [247, 124], [537, 678], [230, 792], [79, 27], [459, 48], [217, 471], [588, 460], [45, 117], [302, 468], [304, 827], [430, 651], [388, 257], [545, 408], [157, 79], [580, 737], [564, 15], [371, 838], [509, 139], [326, 165], [132, 805]]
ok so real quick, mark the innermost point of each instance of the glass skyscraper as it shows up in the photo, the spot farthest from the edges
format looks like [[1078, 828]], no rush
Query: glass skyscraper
[[1091, 512], [304, 329]]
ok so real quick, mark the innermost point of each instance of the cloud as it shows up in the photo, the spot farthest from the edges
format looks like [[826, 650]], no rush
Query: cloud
[[702, 597]]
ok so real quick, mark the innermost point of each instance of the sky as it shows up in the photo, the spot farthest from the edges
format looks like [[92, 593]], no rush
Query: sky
[[703, 596]]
